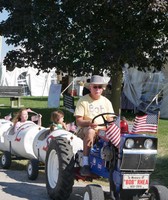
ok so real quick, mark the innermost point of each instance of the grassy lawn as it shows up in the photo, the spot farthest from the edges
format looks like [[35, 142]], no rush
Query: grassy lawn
[[39, 105], [161, 173]]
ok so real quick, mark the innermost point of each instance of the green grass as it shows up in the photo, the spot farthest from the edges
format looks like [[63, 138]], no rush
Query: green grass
[[161, 173], [39, 105]]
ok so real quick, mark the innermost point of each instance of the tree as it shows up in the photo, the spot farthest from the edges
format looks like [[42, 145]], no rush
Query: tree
[[81, 37]]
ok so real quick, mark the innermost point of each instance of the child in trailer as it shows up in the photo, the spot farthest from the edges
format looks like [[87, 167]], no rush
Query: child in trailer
[[57, 118], [22, 117]]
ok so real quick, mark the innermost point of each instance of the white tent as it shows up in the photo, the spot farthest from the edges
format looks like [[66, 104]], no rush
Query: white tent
[[146, 90], [34, 85]]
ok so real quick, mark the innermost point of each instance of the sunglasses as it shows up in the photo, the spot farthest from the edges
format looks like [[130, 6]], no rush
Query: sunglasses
[[97, 87]]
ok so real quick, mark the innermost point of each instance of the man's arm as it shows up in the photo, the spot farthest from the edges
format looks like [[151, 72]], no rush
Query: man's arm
[[84, 123], [81, 122]]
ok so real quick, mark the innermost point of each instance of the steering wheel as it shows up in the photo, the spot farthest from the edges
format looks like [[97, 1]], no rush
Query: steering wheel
[[102, 115]]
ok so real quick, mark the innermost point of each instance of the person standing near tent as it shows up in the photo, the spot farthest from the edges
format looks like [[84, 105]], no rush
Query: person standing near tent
[[22, 117], [87, 108]]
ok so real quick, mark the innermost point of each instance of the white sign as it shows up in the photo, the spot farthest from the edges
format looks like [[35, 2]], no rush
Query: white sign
[[137, 181], [54, 95]]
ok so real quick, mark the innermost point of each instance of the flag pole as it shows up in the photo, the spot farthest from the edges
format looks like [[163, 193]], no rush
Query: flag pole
[[156, 97]]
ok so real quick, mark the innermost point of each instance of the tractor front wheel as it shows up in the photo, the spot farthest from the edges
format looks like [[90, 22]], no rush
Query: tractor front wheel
[[93, 192], [158, 192]]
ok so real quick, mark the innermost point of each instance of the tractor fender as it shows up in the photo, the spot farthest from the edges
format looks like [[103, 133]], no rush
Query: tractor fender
[[44, 137]]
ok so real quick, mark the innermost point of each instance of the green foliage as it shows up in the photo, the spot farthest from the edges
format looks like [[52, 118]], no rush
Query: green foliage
[[85, 36]]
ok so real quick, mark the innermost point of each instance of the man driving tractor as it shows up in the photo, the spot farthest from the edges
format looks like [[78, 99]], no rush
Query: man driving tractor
[[87, 108]]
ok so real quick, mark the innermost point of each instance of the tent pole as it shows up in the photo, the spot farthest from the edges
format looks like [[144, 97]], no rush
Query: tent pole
[[0, 49], [68, 86], [45, 84], [156, 97]]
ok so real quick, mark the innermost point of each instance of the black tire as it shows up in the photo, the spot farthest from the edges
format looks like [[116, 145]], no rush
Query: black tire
[[6, 160], [59, 169], [158, 192], [32, 169], [93, 192]]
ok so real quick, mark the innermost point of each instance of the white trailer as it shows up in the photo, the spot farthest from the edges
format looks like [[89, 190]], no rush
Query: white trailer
[[30, 142]]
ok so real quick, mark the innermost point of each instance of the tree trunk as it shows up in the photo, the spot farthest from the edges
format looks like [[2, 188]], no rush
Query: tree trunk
[[114, 93]]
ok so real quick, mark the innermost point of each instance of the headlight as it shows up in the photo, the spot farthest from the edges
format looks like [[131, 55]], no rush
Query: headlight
[[129, 143], [148, 143]]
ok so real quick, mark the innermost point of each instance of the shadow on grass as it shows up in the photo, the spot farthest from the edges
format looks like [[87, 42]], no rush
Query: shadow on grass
[[160, 174], [36, 98]]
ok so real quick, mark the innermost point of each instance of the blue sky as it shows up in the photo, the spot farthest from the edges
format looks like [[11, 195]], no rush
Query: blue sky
[[5, 48]]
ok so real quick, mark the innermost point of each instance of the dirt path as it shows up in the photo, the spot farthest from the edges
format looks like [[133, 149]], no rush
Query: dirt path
[[14, 185]]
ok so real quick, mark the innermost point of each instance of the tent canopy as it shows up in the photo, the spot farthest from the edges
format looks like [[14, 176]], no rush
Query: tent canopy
[[146, 90], [34, 85]]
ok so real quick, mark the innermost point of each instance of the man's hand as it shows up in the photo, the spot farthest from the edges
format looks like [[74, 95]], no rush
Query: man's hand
[[110, 119], [93, 125]]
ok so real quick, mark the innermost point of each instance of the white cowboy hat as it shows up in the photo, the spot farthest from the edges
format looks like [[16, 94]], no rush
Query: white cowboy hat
[[97, 80]]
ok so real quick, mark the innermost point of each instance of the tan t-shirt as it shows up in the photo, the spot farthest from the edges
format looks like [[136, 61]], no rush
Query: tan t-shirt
[[89, 108]]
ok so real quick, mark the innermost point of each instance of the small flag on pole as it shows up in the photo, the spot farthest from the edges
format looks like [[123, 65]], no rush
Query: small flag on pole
[[35, 118], [146, 123], [8, 117], [113, 132], [29, 110]]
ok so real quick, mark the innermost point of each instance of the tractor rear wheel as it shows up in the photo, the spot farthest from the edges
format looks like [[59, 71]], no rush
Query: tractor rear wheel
[[59, 169]]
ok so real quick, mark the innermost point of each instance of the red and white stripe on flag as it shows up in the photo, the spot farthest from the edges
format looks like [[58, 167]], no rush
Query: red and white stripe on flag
[[113, 132]]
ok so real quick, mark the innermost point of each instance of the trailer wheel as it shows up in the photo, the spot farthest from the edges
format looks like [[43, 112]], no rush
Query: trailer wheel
[[59, 169], [5, 160], [93, 192], [32, 169], [158, 192]]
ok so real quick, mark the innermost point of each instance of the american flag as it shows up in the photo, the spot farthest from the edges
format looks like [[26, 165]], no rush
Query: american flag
[[113, 132], [146, 123]]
